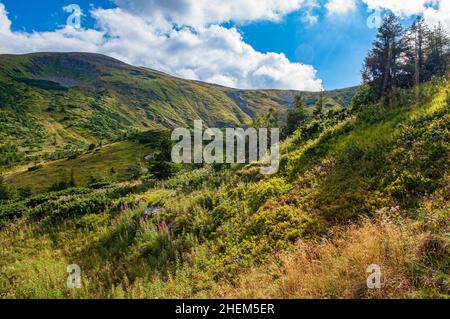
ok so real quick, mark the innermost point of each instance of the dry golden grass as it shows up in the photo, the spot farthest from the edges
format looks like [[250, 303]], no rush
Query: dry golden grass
[[335, 267]]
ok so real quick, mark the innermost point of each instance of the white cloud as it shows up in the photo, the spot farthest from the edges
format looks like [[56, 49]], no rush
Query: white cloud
[[67, 39], [203, 12], [310, 16], [441, 14], [434, 11], [340, 6], [404, 8], [209, 53]]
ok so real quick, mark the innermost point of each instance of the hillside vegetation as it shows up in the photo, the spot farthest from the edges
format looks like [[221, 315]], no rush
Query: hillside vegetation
[[55, 105], [365, 187], [363, 183], [117, 161]]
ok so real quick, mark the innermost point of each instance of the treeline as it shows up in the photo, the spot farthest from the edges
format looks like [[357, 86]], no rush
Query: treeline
[[405, 57]]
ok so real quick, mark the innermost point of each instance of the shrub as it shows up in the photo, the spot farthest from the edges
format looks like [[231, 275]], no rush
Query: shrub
[[261, 192], [409, 186], [71, 207], [34, 168], [10, 212], [64, 183], [42, 84], [43, 198], [282, 225], [25, 192], [362, 98], [7, 192], [152, 138], [189, 181], [72, 157], [159, 249]]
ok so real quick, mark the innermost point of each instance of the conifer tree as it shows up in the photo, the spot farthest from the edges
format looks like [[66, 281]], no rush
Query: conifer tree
[[297, 116], [383, 64], [438, 45], [318, 109]]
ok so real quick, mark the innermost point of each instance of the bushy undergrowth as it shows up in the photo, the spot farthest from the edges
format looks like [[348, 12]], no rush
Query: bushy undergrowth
[[368, 188]]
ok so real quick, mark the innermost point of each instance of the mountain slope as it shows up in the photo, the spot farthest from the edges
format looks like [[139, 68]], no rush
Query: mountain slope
[[54, 103], [372, 188]]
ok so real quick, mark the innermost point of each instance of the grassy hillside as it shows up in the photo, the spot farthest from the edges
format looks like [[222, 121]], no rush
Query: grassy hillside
[[117, 161], [53, 105], [366, 187]]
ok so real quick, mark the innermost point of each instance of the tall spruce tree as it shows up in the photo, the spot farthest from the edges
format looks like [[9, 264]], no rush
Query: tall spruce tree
[[318, 108], [415, 46], [384, 64], [438, 45], [297, 116]]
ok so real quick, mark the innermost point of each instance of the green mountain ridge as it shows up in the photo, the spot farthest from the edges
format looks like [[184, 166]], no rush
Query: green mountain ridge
[[55, 103]]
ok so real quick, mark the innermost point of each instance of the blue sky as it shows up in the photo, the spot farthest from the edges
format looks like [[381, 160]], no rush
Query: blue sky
[[334, 45], [47, 15]]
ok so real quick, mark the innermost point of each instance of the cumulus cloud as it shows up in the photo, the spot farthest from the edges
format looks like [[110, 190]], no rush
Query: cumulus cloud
[[187, 38], [441, 15], [340, 6], [404, 8], [204, 12], [210, 53], [434, 11], [66, 39]]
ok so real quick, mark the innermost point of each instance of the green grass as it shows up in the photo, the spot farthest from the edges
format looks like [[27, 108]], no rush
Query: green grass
[[75, 99], [372, 187], [119, 156]]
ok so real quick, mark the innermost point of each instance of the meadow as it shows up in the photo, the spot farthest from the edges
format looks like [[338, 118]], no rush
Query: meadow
[[357, 186]]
